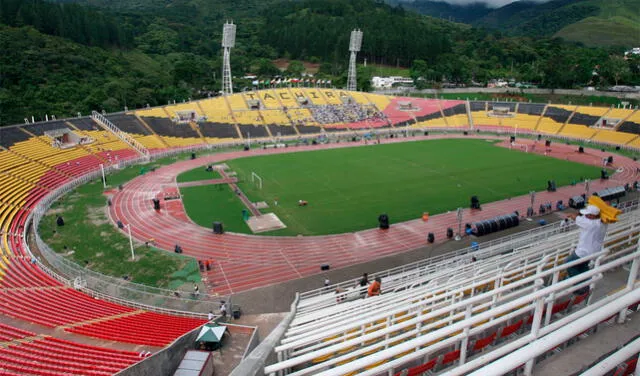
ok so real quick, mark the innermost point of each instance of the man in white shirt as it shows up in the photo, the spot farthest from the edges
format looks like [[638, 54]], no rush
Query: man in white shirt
[[591, 238]]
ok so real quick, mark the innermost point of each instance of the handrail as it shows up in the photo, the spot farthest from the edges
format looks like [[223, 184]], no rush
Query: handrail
[[106, 123], [479, 322], [553, 339], [498, 245], [612, 361], [540, 273]]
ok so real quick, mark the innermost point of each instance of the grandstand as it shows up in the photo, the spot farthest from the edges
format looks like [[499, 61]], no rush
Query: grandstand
[[425, 320], [453, 315]]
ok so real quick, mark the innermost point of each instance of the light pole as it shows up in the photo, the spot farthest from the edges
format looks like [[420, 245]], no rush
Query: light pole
[[133, 255], [104, 180]]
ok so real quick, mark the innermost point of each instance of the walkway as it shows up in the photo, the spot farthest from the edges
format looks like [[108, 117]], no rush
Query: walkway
[[244, 262]]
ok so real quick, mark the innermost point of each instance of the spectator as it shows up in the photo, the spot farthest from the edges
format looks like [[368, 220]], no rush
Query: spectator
[[374, 288], [364, 280], [210, 316], [223, 309], [196, 290], [592, 233], [564, 224]]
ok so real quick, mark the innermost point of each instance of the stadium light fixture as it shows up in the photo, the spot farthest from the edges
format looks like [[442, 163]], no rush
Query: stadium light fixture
[[355, 43], [228, 42]]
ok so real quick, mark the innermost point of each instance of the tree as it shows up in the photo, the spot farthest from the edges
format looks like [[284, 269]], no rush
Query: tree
[[418, 69], [266, 68], [295, 68], [159, 39], [616, 69]]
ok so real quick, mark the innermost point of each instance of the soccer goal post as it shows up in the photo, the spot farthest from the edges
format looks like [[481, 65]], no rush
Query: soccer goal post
[[255, 179]]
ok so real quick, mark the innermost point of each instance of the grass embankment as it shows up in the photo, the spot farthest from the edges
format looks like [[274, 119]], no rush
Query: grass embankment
[[348, 188], [92, 241]]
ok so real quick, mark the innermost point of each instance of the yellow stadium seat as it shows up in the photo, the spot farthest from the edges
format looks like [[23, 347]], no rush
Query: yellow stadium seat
[[578, 131], [548, 125], [152, 112], [613, 137], [236, 102], [380, 101], [593, 111]]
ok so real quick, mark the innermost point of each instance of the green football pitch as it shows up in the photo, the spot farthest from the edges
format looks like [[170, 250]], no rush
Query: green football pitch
[[348, 188]]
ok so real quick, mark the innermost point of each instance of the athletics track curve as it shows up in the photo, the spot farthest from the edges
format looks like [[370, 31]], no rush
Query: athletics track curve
[[243, 262]]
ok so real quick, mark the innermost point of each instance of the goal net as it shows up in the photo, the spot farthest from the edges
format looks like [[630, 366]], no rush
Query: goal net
[[255, 179]]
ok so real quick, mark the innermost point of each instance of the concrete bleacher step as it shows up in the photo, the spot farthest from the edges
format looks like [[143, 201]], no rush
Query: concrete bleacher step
[[233, 116], [623, 120], [196, 128], [102, 319], [544, 110], [86, 148]]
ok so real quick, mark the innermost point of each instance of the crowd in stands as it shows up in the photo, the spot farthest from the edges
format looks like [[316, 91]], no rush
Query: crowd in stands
[[346, 113]]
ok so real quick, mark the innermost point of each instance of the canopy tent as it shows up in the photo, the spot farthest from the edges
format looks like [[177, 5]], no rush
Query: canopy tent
[[211, 335]]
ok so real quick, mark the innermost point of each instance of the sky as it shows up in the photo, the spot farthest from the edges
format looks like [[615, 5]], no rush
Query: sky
[[491, 3]]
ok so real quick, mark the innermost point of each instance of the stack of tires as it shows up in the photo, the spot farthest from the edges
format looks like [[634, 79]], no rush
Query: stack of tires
[[496, 224]]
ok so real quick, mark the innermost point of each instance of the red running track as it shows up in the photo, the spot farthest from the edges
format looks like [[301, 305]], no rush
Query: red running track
[[243, 262]]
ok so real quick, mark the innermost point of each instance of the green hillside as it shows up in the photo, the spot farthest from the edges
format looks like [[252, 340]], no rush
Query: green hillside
[[592, 22], [616, 24]]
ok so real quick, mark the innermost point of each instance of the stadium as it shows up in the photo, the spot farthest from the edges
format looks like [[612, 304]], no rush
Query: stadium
[[324, 163]]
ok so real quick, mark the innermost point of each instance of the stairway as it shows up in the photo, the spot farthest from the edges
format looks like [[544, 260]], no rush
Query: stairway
[[109, 126]]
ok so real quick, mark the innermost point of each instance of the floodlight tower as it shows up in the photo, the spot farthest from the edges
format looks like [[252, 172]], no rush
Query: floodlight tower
[[354, 47], [228, 42]]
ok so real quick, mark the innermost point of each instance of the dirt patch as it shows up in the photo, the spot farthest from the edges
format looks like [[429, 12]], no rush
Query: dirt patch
[[283, 64], [104, 234], [58, 210], [96, 216]]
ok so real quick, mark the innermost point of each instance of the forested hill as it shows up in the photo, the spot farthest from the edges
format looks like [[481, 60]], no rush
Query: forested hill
[[69, 56], [467, 13], [320, 28], [592, 22]]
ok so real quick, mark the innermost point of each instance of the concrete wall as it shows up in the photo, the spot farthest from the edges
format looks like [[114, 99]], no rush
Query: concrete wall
[[166, 361], [253, 364]]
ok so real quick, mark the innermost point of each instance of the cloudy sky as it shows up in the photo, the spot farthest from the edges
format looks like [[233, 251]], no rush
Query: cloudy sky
[[491, 3]]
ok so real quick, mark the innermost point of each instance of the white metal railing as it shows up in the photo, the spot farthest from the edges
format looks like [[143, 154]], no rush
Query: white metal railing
[[528, 353], [418, 345], [399, 277], [108, 125], [630, 350], [499, 300]]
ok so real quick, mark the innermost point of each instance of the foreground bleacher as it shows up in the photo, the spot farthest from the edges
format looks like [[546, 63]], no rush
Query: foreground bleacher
[[451, 317]]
